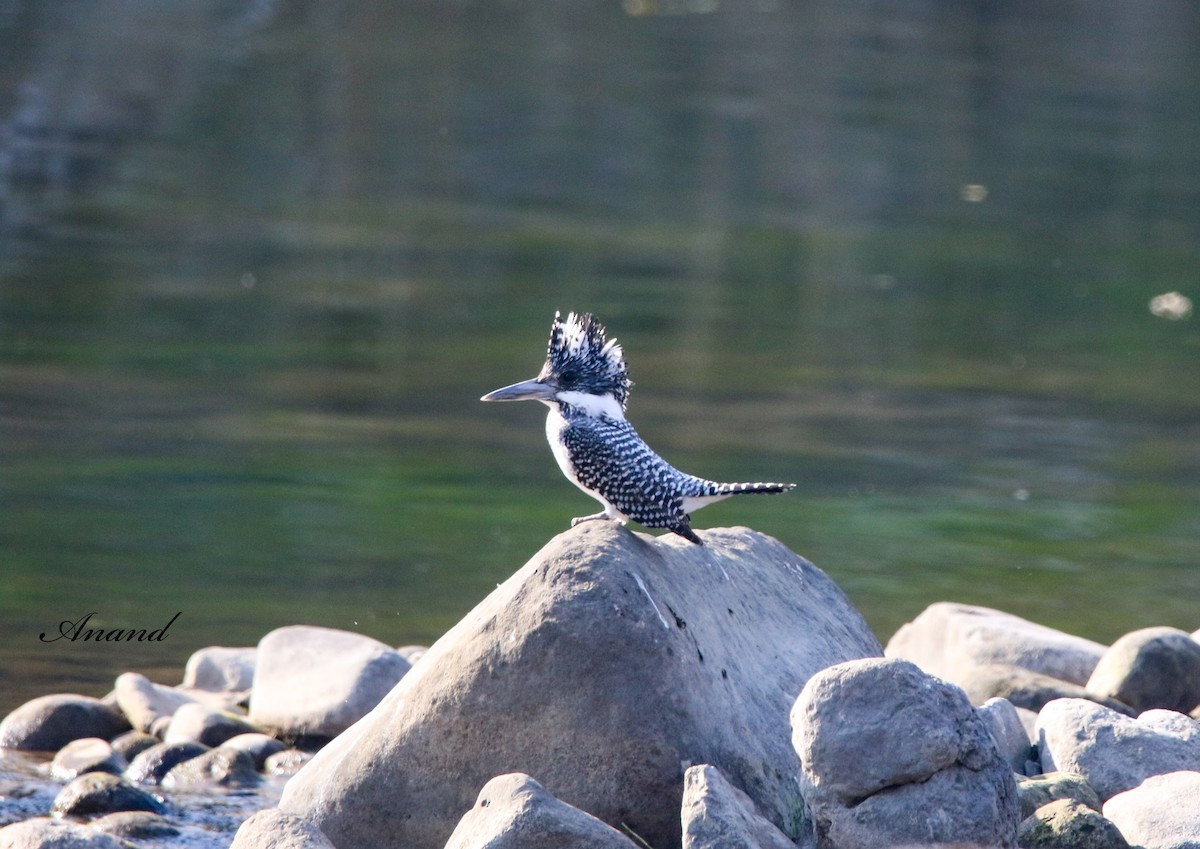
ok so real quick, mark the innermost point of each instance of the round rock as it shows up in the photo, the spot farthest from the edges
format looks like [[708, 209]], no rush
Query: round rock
[[274, 829], [197, 723], [220, 669], [154, 763], [46, 833], [101, 793], [287, 762], [1068, 824], [1041, 790], [258, 746], [91, 754], [133, 743], [218, 767], [1150, 668], [48, 723], [135, 825]]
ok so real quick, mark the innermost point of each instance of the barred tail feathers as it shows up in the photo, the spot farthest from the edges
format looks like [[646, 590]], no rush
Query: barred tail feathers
[[710, 492]]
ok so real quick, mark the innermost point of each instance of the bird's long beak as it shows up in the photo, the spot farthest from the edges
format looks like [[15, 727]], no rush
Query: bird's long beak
[[526, 390]]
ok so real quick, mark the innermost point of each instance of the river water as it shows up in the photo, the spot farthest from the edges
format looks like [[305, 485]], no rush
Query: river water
[[259, 261]]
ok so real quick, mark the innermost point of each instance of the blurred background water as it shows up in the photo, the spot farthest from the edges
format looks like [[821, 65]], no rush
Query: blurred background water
[[259, 260]]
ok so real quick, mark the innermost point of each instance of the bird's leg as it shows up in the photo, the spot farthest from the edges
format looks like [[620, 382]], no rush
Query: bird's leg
[[603, 514]]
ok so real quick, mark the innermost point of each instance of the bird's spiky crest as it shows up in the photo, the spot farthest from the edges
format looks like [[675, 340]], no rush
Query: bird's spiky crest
[[580, 357]]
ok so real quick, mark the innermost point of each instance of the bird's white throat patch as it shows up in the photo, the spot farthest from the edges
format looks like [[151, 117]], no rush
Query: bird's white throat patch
[[599, 406]]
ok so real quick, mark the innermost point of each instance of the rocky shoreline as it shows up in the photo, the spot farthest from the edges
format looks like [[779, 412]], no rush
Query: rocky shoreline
[[623, 690]]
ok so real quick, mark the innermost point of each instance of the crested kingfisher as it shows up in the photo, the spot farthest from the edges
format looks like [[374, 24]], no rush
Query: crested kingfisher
[[585, 383]]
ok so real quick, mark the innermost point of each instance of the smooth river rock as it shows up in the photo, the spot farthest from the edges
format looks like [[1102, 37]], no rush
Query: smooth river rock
[[48, 723], [949, 639], [1150, 668], [314, 682], [220, 670], [605, 667], [1112, 752]]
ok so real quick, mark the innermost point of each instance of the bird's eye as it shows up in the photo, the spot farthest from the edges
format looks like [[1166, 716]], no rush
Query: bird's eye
[[568, 377]]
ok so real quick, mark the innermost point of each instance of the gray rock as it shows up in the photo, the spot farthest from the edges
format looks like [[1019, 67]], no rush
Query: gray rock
[[216, 768], [1068, 824], [135, 825], [143, 701], [274, 829], [258, 746], [1007, 730], [716, 815], [132, 743], [606, 665], [892, 756], [949, 639], [1160, 813], [515, 812], [1113, 752], [1150, 668], [90, 754], [1024, 688], [198, 723], [101, 793], [317, 682], [287, 762], [48, 723], [46, 833], [220, 670], [151, 765], [1041, 790]]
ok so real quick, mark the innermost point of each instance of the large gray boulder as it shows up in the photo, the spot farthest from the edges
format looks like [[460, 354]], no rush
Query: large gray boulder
[[716, 815], [948, 640], [1113, 752], [515, 812], [605, 667], [317, 682], [1150, 668], [895, 757], [1160, 813]]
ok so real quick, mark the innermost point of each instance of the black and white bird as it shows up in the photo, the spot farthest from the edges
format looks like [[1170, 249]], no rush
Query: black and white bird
[[585, 383]]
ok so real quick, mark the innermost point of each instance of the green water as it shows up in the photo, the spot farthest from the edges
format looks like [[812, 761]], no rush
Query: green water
[[253, 284]]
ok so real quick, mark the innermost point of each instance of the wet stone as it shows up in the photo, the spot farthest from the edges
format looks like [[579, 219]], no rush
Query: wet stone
[[133, 743], [287, 762], [48, 723], [218, 767], [90, 754], [101, 793], [154, 763], [135, 825]]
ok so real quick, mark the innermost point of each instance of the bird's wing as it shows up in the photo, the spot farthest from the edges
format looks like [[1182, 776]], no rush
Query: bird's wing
[[611, 459]]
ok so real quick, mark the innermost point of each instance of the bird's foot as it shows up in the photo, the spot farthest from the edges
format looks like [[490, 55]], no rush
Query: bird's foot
[[580, 519]]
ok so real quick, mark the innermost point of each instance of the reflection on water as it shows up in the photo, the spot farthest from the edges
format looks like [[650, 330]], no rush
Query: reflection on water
[[260, 260]]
